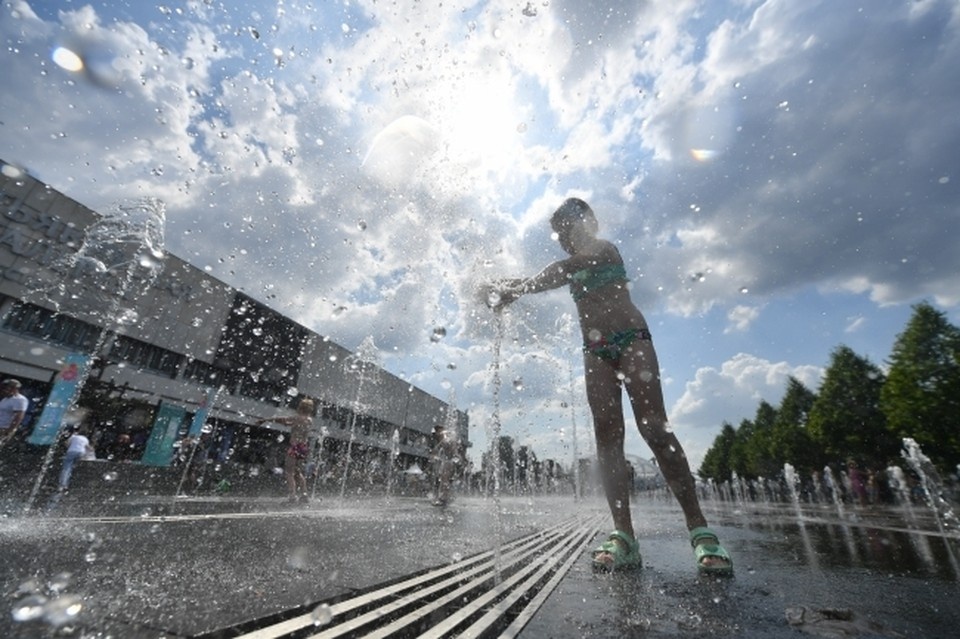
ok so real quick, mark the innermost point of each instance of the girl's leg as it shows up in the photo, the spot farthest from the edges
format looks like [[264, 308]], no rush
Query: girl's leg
[[290, 473], [302, 478], [642, 380], [605, 397]]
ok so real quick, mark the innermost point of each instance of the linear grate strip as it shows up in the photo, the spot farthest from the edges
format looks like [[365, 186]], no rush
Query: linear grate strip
[[411, 606]]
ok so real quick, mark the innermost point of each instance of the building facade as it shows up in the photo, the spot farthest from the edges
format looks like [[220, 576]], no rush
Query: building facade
[[167, 351]]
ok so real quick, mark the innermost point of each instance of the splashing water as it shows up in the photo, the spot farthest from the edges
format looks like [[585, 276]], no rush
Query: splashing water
[[932, 485], [565, 330], [834, 489], [121, 256], [365, 363], [495, 432], [793, 485], [321, 615], [942, 510], [394, 454], [119, 259]]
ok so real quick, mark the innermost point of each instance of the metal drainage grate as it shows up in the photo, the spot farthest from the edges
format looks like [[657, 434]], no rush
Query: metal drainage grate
[[492, 594]]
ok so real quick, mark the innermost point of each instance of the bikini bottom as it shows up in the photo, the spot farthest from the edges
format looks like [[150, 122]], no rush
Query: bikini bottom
[[612, 345]]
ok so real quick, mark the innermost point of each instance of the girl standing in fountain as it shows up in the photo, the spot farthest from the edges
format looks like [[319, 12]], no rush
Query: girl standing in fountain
[[618, 354], [296, 457]]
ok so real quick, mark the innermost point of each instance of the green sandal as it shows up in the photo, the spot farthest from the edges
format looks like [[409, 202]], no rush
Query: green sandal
[[706, 545], [624, 550]]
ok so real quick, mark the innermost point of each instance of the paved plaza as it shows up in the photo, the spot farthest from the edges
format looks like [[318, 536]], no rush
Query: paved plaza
[[257, 567]]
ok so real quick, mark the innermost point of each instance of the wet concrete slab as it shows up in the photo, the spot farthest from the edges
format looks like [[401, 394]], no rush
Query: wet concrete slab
[[164, 567], [777, 580]]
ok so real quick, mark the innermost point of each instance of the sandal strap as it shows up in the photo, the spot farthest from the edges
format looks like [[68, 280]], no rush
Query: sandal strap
[[699, 534], [706, 544], [628, 540], [625, 553]]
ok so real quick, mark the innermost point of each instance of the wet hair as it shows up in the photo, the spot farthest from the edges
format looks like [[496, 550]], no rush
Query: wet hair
[[575, 209], [305, 406]]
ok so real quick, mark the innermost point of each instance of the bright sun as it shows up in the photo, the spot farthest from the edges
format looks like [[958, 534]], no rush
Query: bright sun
[[481, 126]]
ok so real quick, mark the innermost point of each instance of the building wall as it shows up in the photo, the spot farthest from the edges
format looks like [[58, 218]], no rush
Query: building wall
[[181, 310]]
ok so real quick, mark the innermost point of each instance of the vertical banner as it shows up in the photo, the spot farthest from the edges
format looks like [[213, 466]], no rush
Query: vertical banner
[[62, 395], [166, 426], [201, 415]]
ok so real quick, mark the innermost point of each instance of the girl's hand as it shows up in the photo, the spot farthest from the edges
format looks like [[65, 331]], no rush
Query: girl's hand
[[500, 293]]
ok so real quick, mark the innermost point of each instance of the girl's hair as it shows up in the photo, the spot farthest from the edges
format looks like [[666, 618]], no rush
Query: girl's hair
[[305, 407], [575, 209]]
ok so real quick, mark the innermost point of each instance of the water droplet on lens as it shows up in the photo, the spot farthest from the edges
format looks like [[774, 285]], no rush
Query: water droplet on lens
[[321, 615], [29, 608], [59, 582], [62, 610]]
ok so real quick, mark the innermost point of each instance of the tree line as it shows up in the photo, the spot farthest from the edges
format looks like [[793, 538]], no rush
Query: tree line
[[859, 412]]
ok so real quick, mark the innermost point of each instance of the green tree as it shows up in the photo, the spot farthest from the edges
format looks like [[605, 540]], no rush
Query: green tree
[[761, 463], [716, 462], [790, 440], [739, 452], [921, 397], [846, 420]]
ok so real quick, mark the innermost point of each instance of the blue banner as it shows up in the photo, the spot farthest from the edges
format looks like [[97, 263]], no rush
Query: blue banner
[[166, 426], [201, 415], [65, 387]]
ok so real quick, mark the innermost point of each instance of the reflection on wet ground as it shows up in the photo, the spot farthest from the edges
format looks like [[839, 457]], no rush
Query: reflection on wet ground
[[901, 540], [884, 549]]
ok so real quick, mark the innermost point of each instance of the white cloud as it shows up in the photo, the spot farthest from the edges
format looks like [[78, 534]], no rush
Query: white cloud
[[364, 179], [731, 393], [740, 318]]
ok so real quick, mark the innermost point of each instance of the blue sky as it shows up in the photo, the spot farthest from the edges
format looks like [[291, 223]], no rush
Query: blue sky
[[780, 177]]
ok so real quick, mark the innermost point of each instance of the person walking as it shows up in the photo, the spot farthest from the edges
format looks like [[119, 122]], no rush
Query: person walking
[[297, 450], [443, 454], [618, 354], [78, 447]]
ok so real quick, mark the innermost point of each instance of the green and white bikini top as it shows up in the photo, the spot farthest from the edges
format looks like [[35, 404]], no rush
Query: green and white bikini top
[[590, 279]]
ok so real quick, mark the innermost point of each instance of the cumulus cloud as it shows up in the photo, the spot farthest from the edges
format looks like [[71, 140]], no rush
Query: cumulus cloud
[[731, 394], [740, 318]]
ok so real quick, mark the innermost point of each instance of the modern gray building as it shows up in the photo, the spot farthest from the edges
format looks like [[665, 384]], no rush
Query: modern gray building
[[164, 348]]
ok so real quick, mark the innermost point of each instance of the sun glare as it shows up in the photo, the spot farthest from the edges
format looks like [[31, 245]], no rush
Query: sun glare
[[482, 126]]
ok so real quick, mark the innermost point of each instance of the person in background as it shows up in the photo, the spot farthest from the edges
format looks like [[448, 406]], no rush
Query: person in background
[[443, 453], [858, 486], [618, 354], [78, 447], [13, 406], [297, 450]]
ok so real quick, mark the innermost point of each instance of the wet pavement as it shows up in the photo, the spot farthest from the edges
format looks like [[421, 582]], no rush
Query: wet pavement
[[219, 567]]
